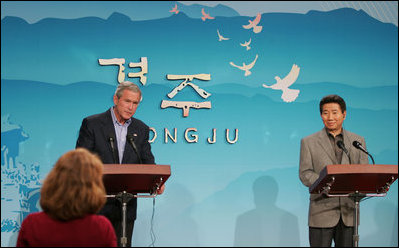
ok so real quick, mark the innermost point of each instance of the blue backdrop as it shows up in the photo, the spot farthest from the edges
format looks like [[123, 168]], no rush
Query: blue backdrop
[[220, 194]]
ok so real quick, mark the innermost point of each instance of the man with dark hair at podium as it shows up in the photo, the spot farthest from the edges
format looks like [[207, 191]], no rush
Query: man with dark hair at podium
[[118, 138], [330, 218]]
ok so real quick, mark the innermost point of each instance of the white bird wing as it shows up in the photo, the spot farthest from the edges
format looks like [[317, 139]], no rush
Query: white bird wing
[[205, 15], [249, 66], [257, 19], [246, 43], [248, 26], [291, 77], [239, 67], [257, 29], [220, 37]]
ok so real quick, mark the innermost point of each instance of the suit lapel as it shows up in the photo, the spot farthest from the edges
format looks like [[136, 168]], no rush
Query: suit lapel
[[325, 143], [348, 146], [109, 130], [128, 154], [131, 128]]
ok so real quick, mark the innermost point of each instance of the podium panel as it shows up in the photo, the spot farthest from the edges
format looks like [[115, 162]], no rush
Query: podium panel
[[347, 178], [134, 178]]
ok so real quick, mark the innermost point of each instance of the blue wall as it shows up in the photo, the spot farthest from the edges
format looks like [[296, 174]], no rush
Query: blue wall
[[246, 193]]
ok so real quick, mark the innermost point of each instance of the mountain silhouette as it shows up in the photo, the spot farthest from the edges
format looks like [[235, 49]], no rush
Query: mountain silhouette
[[343, 45], [135, 10]]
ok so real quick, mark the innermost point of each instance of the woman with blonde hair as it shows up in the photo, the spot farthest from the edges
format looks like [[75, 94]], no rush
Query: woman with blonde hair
[[72, 193]]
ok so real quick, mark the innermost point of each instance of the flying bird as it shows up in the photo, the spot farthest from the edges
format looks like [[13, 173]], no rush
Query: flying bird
[[245, 67], [288, 95], [246, 44], [221, 37], [205, 15], [253, 24], [175, 10]]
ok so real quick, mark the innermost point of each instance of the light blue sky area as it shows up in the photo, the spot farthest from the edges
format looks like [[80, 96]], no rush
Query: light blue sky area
[[33, 11]]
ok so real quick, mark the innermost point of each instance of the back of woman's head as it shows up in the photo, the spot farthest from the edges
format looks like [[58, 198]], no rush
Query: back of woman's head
[[74, 187]]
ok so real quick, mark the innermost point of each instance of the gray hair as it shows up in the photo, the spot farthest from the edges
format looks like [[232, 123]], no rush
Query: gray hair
[[126, 85]]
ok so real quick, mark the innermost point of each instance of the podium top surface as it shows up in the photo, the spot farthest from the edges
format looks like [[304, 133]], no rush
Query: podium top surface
[[136, 169], [134, 178], [349, 178], [360, 169]]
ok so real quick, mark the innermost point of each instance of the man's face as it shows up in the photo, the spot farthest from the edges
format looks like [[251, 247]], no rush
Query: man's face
[[126, 105], [333, 117]]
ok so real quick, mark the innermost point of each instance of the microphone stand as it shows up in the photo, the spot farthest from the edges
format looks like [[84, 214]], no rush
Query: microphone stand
[[359, 146], [341, 145], [124, 198], [111, 141], [130, 139], [372, 159]]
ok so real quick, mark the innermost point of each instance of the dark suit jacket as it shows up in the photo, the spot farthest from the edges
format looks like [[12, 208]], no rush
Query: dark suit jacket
[[317, 153], [94, 135]]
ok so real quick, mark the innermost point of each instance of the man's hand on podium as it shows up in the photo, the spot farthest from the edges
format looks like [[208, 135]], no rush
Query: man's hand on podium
[[160, 190]]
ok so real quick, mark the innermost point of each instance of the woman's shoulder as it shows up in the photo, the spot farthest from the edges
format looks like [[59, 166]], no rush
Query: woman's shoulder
[[36, 216], [99, 219], [100, 224]]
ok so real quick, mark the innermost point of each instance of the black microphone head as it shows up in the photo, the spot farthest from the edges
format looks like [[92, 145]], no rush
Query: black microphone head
[[357, 144], [129, 136], [340, 144]]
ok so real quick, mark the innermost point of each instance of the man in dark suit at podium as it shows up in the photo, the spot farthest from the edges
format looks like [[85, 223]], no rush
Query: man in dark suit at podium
[[118, 138], [330, 218]]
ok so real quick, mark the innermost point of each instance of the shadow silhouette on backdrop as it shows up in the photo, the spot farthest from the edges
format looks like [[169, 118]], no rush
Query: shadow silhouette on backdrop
[[172, 219], [267, 224]]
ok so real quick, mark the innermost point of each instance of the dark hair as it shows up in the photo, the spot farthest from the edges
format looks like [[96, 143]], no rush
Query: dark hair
[[74, 187], [333, 99]]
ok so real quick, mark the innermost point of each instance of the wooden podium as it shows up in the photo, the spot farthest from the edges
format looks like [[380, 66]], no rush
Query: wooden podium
[[127, 181], [135, 178], [356, 181]]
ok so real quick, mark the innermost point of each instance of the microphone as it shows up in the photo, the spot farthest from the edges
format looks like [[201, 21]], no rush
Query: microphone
[[111, 141], [129, 137], [359, 146], [341, 145]]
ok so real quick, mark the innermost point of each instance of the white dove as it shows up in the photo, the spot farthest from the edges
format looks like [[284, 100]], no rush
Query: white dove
[[288, 95], [246, 44], [175, 10], [253, 24], [221, 37], [205, 15], [245, 67]]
